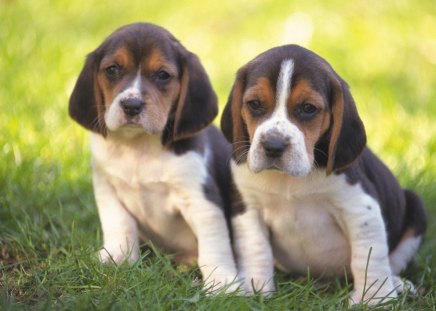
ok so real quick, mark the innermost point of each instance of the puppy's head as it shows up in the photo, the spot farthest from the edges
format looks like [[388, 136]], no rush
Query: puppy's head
[[142, 80], [289, 110]]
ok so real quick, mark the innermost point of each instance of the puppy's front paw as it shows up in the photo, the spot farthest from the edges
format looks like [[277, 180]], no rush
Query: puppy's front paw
[[374, 294], [404, 286], [262, 286], [117, 256], [218, 283]]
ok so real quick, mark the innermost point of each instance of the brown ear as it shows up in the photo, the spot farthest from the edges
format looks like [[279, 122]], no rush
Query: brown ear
[[232, 124], [196, 106], [85, 105], [347, 136]]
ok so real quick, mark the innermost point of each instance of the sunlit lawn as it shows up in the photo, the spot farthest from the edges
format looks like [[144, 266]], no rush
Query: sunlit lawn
[[49, 229]]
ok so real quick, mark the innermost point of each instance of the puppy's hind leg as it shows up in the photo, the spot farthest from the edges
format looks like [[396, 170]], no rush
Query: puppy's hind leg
[[404, 253], [414, 229]]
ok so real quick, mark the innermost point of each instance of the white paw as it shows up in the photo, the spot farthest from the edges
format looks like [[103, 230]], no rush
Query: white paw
[[218, 284], [374, 295], [259, 286], [117, 256], [404, 286]]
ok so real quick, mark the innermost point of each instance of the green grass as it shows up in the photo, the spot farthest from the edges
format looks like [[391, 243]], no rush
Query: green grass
[[49, 228]]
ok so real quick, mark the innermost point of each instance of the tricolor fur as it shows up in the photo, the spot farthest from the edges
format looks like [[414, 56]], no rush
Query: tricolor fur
[[311, 195], [160, 173]]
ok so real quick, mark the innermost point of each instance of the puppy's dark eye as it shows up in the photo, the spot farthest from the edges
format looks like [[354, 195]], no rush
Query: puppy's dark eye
[[113, 71], [308, 108], [306, 111], [162, 76], [256, 108]]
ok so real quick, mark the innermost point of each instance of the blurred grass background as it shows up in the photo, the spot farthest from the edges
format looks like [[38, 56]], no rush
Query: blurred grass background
[[386, 50]]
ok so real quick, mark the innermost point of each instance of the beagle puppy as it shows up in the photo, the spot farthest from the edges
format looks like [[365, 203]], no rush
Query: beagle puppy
[[160, 172], [311, 196]]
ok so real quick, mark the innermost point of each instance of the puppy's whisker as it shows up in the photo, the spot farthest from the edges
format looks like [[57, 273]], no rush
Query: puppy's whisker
[[321, 151], [240, 148], [240, 144], [235, 152], [241, 157], [236, 143], [240, 151], [95, 124]]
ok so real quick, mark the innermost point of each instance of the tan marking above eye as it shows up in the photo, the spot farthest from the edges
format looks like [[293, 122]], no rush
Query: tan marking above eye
[[261, 91], [121, 57], [302, 93], [156, 61]]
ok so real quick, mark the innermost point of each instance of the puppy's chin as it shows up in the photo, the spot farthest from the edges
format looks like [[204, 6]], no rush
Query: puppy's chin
[[277, 165], [138, 125]]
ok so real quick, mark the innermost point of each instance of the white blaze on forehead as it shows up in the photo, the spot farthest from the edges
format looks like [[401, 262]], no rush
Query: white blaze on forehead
[[284, 86], [135, 87]]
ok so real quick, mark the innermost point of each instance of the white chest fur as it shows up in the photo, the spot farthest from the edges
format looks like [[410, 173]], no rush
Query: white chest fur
[[304, 224], [143, 190], [153, 185]]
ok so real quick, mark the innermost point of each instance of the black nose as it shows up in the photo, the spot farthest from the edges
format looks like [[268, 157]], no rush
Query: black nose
[[274, 147], [132, 106]]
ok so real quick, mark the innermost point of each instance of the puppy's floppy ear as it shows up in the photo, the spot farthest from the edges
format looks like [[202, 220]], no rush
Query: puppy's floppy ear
[[86, 104], [196, 106], [232, 124], [347, 137]]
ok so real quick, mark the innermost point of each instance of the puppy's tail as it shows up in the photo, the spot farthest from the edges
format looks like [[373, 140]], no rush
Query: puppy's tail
[[413, 233]]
